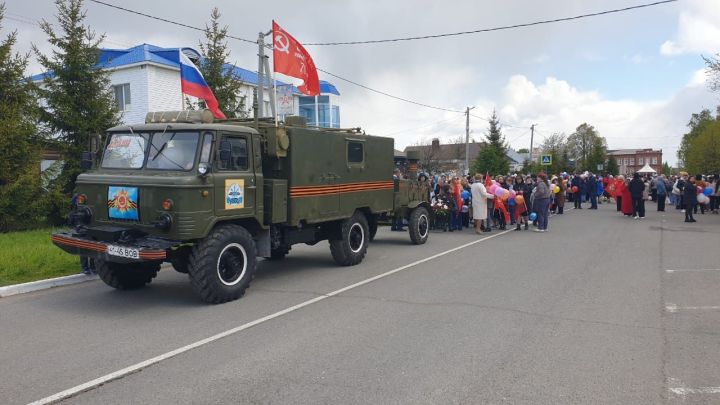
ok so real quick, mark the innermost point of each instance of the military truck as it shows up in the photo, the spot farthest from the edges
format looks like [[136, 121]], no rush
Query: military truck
[[211, 196]]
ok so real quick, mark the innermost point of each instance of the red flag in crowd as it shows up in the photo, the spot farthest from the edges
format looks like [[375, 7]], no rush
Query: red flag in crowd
[[488, 180], [291, 58]]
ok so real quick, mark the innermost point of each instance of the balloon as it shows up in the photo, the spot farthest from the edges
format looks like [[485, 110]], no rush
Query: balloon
[[699, 190], [519, 199], [533, 216], [703, 199], [574, 189], [512, 202], [512, 194], [492, 188], [556, 189], [500, 192], [708, 191]]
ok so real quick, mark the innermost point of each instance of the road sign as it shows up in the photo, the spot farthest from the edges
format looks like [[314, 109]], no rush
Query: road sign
[[546, 160], [286, 106], [600, 166]]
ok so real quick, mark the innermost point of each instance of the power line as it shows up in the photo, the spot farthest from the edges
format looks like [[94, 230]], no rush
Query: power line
[[390, 95], [255, 42], [502, 28], [424, 126], [166, 20]]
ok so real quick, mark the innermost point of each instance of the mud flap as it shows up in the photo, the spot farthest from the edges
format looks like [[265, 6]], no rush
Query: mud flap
[[262, 243]]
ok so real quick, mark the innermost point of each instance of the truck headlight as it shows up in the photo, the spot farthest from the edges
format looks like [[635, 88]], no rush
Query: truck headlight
[[164, 222]]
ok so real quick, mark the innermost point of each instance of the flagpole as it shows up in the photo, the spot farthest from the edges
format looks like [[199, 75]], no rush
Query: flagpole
[[317, 112], [261, 76]]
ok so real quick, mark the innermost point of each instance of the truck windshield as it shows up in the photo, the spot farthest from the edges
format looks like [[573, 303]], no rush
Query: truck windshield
[[125, 151], [173, 150]]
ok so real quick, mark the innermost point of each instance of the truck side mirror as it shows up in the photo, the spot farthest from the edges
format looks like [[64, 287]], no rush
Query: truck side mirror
[[225, 151], [86, 161]]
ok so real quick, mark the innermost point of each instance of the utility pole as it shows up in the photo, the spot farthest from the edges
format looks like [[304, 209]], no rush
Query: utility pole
[[262, 64], [261, 75], [532, 134], [467, 139]]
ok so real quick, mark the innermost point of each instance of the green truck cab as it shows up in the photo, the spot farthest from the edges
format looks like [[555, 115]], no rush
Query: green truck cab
[[211, 196]]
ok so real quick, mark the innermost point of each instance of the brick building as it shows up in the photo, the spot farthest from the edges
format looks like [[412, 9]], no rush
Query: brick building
[[631, 160]]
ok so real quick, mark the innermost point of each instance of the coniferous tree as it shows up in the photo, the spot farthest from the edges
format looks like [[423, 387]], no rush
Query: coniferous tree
[[20, 144], [492, 157], [78, 101], [224, 83]]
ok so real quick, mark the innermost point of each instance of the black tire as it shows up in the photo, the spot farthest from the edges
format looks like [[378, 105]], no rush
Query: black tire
[[350, 249], [419, 225], [223, 264], [279, 253], [372, 227], [126, 276], [179, 258]]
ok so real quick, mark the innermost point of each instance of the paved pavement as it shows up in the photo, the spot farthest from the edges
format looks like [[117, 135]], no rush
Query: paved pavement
[[601, 309]]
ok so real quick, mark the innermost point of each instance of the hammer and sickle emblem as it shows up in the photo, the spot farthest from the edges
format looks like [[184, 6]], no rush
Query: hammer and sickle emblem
[[282, 43]]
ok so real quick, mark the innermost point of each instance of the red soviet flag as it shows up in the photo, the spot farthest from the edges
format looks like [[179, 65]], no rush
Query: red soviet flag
[[291, 58]]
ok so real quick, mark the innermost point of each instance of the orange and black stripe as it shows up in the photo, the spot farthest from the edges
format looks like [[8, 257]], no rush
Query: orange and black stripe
[[102, 248], [320, 191]]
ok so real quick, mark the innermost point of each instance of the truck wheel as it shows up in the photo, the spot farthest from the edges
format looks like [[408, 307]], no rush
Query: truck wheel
[[350, 249], [419, 225], [128, 276], [223, 264], [179, 259], [279, 253]]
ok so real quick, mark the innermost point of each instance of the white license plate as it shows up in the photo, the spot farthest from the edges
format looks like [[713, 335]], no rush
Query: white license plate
[[123, 252]]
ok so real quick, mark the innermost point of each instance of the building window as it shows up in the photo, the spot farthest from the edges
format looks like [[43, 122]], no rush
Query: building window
[[654, 161], [238, 154], [632, 162], [625, 162], [640, 162], [122, 96]]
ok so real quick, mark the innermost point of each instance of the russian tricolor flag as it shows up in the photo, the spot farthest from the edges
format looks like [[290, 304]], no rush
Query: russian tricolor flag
[[193, 83]]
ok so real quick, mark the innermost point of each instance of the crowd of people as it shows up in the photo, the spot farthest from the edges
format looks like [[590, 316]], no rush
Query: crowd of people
[[483, 202]]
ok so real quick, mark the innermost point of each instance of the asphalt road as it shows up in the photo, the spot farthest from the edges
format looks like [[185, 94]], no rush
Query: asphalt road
[[601, 309]]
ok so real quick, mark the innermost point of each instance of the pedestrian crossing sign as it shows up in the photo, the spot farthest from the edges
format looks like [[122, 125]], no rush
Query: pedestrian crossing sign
[[546, 160]]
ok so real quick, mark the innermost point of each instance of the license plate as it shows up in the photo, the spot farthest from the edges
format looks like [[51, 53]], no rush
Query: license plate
[[123, 252]]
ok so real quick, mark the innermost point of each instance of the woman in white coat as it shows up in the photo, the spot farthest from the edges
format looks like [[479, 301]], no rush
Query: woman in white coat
[[480, 196]]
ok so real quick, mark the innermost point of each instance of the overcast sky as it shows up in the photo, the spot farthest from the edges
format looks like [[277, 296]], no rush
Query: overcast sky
[[635, 76]]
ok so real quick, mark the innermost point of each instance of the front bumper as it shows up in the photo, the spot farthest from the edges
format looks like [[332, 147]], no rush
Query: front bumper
[[150, 249]]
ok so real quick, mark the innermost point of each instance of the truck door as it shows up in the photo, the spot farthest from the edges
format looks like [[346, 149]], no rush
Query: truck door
[[235, 182]]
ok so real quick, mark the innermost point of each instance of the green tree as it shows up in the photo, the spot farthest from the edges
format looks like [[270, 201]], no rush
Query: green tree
[[612, 166], [493, 158], [666, 169], [698, 122], [20, 144], [78, 101], [523, 150], [586, 148], [713, 72], [220, 76], [703, 154]]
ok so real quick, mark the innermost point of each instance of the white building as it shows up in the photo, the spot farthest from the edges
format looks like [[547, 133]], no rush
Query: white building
[[146, 78]]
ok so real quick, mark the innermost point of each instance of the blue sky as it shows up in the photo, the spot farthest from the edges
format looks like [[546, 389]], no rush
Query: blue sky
[[634, 76]]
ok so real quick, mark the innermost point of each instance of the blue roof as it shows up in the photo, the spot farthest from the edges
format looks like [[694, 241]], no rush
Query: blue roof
[[114, 58]]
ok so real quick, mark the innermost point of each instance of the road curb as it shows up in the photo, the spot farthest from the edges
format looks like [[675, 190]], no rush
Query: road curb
[[16, 289]]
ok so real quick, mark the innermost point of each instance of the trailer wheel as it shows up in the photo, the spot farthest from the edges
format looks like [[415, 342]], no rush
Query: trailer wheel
[[179, 259], [350, 249], [222, 265], [126, 276], [419, 225]]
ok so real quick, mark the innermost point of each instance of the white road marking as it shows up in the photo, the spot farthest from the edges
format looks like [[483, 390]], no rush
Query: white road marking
[[673, 308], [670, 271], [144, 364], [678, 388]]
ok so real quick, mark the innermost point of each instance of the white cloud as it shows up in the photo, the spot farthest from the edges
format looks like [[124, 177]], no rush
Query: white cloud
[[698, 30]]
